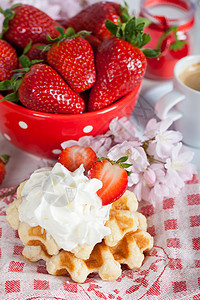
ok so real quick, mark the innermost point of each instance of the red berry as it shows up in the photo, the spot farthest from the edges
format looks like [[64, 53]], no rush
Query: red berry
[[29, 24], [120, 67], [72, 157], [113, 177], [73, 59], [35, 53], [93, 18], [8, 60], [43, 89]]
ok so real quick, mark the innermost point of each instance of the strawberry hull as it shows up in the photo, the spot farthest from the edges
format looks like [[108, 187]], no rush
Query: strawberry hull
[[41, 133]]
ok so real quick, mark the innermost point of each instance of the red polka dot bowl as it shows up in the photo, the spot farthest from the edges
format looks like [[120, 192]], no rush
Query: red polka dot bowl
[[41, 133]]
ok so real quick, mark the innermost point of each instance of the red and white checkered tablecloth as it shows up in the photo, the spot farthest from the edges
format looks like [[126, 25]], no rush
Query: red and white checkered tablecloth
[[171, 270]]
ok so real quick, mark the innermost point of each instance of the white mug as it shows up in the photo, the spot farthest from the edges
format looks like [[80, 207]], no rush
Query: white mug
[[182, 104]]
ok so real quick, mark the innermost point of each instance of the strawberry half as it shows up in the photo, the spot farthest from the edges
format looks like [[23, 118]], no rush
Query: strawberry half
[[24, 23], [8, 60], [113, 177], [72, 157]]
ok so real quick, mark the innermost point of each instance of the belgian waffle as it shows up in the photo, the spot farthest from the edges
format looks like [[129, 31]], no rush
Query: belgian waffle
[[125, 245]]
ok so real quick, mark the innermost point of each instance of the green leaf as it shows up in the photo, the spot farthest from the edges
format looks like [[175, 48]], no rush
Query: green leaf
[[125, 16], [17, 84], [25, 61], [125, 166], [146, 22], [60, 30], [69, 32], [146, 39], [165, 34], [27, 47], [15, 5], [151, 52], [13, 97], [130, 29], [122, 159], [36, 61], [112, 27], [128, 172], [4, 158], [50, 39], [178, 45], [139, 40], [8, 16], [139, 27], [43, 47], [6, 85]]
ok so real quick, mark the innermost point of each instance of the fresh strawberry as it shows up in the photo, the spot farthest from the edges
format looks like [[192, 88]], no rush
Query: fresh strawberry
[[24, 23], [8, 60], [93, 18], [113, 177], [120, 63], [73, 58], [94, 42], [3, 161], [72, 157], [35, 53], [43, 89]]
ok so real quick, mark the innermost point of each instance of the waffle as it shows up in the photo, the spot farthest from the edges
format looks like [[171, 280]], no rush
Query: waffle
[[125, 245]]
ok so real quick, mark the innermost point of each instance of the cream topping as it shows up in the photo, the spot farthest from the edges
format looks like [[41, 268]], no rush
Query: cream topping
[[66, 205]]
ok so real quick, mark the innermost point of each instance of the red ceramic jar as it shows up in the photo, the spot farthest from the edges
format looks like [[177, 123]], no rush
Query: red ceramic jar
[[165, 14]]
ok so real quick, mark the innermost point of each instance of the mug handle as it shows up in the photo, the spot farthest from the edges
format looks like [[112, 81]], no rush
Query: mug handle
[[164, 107]]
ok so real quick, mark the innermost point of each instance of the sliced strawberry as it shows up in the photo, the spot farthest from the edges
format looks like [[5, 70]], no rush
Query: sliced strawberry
[[113, 177], [72, 157]]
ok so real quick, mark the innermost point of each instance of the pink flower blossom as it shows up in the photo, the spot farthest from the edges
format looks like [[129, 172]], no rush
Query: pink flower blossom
[[122, 130], [160, 164], [179, 168], [100, 144], [161, 140]]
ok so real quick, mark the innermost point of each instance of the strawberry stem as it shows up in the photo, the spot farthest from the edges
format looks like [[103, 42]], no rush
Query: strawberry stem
[[132, 32], [65, 34], [120, 162]]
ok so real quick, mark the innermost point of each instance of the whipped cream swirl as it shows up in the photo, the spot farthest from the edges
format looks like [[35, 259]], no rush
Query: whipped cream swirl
[[66, 205]]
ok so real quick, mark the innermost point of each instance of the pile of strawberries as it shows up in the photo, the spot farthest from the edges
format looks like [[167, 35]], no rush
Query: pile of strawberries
[[81, 64]]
